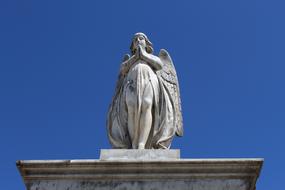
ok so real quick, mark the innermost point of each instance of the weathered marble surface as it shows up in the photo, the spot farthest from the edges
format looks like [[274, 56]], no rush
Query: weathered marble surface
[[145, 112], [211, 184], [143, 154], [193, 174]]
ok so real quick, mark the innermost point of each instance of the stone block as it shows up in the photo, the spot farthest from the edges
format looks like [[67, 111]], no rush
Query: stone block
[[115, 171], [136, 154]]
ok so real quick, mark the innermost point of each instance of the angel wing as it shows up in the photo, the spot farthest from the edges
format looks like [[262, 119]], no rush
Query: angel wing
[[168, 75], [122, 73], [120, 81], [126, 57], [115, 112]]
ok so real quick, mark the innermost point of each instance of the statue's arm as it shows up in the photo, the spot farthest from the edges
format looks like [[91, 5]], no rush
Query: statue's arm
[[152, 60]]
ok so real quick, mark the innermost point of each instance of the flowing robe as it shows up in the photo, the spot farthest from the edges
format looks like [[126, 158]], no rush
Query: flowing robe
[[142, 80], [142, 90]]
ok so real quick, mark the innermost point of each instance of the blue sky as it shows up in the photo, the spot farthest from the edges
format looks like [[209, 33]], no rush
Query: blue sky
[[59, 62]]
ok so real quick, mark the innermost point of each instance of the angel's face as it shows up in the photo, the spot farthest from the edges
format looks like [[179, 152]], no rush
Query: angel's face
[[140, 40]]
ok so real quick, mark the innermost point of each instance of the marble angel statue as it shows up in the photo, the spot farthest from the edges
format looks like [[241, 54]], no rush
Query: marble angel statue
[[145, 112]]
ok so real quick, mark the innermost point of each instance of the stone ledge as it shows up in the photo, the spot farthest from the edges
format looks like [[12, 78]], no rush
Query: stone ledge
[[194, 174]]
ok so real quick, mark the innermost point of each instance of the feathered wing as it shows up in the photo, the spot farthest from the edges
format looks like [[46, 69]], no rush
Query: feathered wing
[[121, 74], [116, 116], [169, 76]]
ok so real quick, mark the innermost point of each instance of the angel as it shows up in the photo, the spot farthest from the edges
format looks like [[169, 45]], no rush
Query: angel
[[145, 112]]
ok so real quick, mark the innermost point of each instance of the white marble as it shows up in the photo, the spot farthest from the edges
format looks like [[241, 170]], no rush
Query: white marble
[[145, 112], [143, 154]]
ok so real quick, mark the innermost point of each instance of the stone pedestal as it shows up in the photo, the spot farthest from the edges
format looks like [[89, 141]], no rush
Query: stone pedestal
[[139, 170]]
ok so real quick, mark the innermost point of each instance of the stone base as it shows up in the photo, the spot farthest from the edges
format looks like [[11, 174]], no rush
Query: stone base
[[135, 154], [143, 173]]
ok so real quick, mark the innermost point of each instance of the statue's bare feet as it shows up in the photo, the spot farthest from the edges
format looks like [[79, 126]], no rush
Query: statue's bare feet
[[141, 146]]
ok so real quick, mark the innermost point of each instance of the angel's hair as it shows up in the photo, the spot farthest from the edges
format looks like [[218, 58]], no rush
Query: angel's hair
[[148, 48]]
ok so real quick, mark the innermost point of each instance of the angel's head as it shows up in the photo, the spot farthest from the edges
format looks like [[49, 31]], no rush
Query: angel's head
[[141, 39]]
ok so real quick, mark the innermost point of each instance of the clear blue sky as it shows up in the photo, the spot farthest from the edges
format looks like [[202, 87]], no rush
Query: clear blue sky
[[59, 62]]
